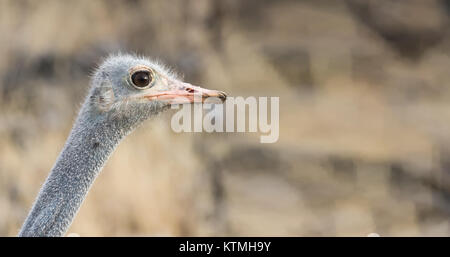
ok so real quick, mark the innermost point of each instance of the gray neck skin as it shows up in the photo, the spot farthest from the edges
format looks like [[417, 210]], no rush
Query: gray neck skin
[[91, 142]]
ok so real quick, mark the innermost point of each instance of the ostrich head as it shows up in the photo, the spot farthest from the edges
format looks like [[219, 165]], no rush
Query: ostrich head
[[125, 91], [129, 89]]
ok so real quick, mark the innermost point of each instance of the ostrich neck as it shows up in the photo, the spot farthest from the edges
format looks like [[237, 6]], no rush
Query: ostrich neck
[[88, 147]]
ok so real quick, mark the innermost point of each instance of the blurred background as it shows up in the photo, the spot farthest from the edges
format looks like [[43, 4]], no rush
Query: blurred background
[[364, 142]]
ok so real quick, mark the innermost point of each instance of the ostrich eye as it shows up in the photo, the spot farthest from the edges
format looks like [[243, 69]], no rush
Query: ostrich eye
[[141, 79]]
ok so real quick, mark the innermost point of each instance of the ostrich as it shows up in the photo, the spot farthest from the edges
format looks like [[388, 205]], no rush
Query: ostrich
[[125, 91]]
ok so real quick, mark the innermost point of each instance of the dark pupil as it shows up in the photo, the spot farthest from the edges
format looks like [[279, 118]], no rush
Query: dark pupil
[[141, 78]]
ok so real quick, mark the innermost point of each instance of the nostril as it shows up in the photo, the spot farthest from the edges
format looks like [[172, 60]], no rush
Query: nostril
[[190, 90]]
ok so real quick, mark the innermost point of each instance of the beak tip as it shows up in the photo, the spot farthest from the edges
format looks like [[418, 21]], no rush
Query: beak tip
[[222, 96]]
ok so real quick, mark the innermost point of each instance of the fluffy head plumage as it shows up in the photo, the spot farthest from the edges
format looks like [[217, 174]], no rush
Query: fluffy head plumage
[[115, 95]]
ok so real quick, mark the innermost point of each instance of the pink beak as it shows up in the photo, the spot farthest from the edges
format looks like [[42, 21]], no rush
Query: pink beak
[[183, 93]]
